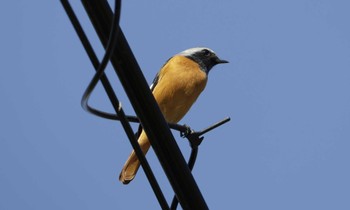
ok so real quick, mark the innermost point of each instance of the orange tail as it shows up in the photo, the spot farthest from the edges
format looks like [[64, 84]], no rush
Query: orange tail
[[132, 164]]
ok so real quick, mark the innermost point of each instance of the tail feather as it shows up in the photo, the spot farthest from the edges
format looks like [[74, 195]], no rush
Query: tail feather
[[130, 169], [132, 164]]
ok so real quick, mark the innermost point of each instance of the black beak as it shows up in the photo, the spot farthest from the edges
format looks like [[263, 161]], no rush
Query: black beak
[[222, 61], [218, 61]]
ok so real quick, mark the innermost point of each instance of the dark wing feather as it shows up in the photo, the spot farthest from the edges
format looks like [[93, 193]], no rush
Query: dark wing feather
[[155, 82], [153, 85], [156, 78]]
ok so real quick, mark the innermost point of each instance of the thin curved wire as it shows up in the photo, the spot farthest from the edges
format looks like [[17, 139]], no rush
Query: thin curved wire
[[100, 71], [190, 163]]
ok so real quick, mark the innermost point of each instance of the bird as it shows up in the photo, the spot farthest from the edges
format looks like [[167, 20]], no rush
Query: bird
[[175, 88]]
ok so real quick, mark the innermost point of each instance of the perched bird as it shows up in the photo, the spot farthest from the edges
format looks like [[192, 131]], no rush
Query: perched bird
[[175, 88]]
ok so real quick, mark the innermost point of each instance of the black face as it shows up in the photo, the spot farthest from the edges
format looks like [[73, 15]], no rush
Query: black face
[[206, 59]]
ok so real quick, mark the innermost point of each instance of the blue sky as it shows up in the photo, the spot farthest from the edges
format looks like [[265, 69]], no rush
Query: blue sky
[[286, 90]]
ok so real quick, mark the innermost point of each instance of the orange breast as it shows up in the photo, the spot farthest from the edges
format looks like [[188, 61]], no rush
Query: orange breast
[[180, 83]]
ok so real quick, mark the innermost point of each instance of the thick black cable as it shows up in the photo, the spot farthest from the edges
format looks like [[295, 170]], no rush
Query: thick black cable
[[122, 117]]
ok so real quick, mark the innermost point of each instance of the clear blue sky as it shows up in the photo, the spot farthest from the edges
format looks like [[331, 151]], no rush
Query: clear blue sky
[[286, 89]]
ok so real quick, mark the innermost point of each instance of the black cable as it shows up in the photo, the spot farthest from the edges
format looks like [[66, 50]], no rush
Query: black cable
[[115, 102]]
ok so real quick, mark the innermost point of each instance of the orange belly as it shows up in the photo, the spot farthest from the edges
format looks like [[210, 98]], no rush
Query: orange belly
[[178, 89]]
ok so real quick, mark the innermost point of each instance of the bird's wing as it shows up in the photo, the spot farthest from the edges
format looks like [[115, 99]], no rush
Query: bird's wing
[[155, 82], [156, 78], [153, 85]]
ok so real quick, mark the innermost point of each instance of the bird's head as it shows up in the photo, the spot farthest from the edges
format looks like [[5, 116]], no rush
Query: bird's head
[[205, 57]]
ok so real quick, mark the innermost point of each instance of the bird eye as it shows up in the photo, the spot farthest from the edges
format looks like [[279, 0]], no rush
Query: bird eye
[[206, 52]]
